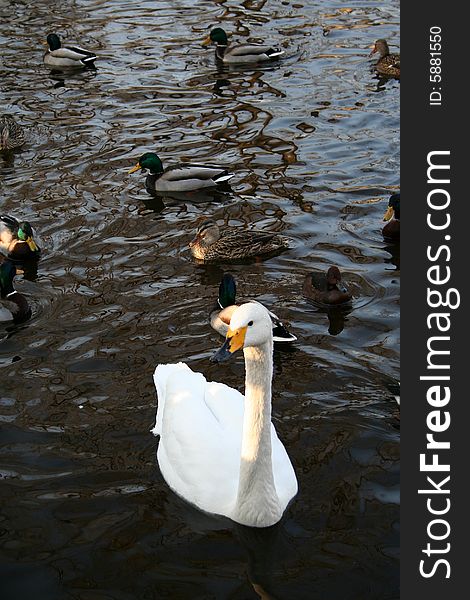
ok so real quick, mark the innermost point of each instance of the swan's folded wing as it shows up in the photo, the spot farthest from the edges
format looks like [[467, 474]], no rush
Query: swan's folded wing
[[199, 449], [227, 406]]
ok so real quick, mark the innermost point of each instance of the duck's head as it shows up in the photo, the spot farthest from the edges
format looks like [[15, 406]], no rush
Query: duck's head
[[250, 326], [216, 36], [393, 209], [333, 279], [149, 161], [333, 276], [206, 235], [25, 234], [53, 41], [227, 291], [381, 47], [7, 274]]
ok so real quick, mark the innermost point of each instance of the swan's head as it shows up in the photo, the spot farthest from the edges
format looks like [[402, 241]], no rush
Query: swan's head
[[250, 325]]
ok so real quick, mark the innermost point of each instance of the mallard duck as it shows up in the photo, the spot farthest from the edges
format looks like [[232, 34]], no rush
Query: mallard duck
[[67, 56], [326, 288], [218, 449], [212, 244], [11, 134], [388, 64], [183, 177], [240, 53], [16, 239], [225, 307], [392, 229], [13, 305]]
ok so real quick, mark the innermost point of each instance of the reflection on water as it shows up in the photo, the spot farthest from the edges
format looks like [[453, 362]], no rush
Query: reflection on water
[[313, 142]]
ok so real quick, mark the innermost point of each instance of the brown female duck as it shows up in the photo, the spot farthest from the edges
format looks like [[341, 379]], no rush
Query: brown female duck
[[11, 134], [388, 64], [326, 288], [213, 244], [392, 215]]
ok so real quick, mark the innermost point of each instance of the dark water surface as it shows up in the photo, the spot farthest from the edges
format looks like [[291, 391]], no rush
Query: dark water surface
[[314, 144]]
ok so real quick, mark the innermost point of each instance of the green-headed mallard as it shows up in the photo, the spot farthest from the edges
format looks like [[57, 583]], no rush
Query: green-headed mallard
[[388, 64], [219, 449], [11, 134], [16, 239], [67, 56], [212, 244], [326, 288], [240, 53], [392, 229], [183, 177], [225, 307], [13, 305]]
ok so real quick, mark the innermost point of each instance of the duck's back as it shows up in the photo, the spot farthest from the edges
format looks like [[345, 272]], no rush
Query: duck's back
[[389, 65]]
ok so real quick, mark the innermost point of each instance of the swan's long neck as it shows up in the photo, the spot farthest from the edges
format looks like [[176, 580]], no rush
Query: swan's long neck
[[257, 501]]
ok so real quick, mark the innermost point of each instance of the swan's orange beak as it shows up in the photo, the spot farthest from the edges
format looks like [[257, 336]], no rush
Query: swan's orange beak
[[389, 214], [237, 338]]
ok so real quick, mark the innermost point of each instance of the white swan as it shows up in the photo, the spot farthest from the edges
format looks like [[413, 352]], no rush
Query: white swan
[[218, 449]]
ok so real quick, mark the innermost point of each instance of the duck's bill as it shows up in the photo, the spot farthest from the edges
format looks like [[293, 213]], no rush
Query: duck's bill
[[373, 50], [233, 342], [207, 41], [32, 244], [389, 214], [134, 169]]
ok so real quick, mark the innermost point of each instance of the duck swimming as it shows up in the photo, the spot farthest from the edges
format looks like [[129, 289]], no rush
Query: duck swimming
[[326, 288], [11, 134], [67, 56], [13, 305], [240, 53], [218, 449], [392, 229], [232, 243], [388, 64], [182, 177], [16, 239], [225, 307]]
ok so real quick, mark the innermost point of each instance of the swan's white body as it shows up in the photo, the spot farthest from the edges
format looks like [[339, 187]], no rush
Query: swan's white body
[[218, 449]]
